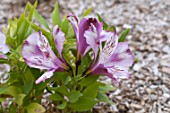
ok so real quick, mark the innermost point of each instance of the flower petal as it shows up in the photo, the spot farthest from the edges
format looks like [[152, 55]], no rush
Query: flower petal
[[58, 39], [104, 35], [2, 38], [119, 73], [101, 69], [45, 76], [4, 48], [86, 24], [122, 56], [91, 36], [3, 56], [38, 54], [109, 48], [74, 21]]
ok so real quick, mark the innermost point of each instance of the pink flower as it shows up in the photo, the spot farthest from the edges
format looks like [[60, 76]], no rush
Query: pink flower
[[113, 59], [38, 53], [3, 47], [79, 28]]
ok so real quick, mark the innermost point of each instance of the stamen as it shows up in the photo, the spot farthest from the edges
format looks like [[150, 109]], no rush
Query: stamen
[[107, 50]]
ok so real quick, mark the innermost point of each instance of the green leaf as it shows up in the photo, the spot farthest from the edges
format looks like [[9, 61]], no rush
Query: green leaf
[[74, 96], [62, 90], [65, 25], [28, 8], [85, 63], [28, 85], [32, 11], [105, 26], [41, 20], [35, 108], [106, 88], [28, 82], [13, 91], [70, 44], [87, 12], [2, 99], [103, 98], [123, 35], [56, 16], [111, 28], [83, 104], [3, 89], [68, 79], [70, 34], [37, 28], [92, 90], [12, 27], [62, 106], [41, 86], [16, 53], [63, 77], [56, 97], [88, 80], [19, 99], [12, 108], [21, 32], [19, 23]]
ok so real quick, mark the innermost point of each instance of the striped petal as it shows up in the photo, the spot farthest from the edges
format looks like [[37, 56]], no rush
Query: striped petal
[[109, 48], [91, 36], [38, 54], [122, 56], [59, 39], [45, 76]]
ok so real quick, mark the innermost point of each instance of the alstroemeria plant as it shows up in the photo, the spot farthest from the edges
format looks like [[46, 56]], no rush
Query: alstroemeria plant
[[63, 61]]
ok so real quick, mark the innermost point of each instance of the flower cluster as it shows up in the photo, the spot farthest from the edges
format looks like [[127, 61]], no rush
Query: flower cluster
[[71, 56], [112, 59]]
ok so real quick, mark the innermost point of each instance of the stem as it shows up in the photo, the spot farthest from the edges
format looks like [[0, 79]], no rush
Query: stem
[[77, 66]]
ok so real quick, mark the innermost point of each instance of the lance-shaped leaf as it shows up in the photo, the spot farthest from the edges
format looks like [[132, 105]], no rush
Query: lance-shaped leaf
[[123, 35]]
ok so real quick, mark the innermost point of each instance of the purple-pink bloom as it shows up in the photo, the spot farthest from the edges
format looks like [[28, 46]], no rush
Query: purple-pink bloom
[[3, 47], [38, 54], [79, 28], [113, 59]]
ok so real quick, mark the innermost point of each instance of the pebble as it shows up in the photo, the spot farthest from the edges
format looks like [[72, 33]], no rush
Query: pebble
[[166, 49], [117, 92], [166, 95], [137, 67], [153, 86], [166, 70]]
